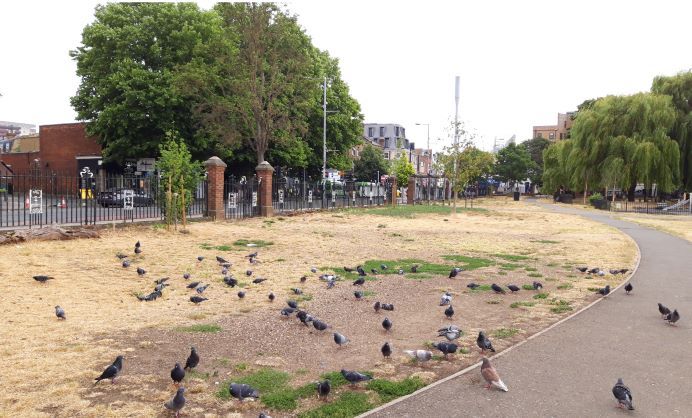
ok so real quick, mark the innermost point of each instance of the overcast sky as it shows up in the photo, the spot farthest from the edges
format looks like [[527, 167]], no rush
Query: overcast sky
[[520, 62]]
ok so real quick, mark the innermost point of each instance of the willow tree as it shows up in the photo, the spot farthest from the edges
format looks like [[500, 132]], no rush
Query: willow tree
[[679, 87], [555, 172]]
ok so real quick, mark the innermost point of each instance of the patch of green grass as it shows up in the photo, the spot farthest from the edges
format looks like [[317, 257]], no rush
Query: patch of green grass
[[546, 241], [281, 400], [540, 296], [469, 263], [388, 389], [530, 269], [505, 332], [197, 374], [349, 404], [158, 226], [395, 235], [493, 302], [254, 242], [560, 308], [266, 381], [278, 260], [464, 350], [552, 265], [518, 304], [572, 276], [224, 361], [527, 287], [200, 328], [368, 293], [482, 288], [565, 286], [535, 275], [550, 279], [511, 257], [410, 211], [336, 379], [593, 289], [207, 246], [240, 367], [269, 222], [409, 239], [305, 297], [510, 266]]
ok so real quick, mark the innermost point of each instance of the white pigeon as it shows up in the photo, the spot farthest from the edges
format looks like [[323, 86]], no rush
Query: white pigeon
[[419, 355], [445, 299]]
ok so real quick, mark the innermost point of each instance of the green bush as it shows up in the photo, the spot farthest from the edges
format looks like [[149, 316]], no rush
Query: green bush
[[594, 197]]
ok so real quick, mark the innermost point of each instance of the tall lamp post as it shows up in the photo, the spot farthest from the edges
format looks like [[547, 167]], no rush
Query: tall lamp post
[[456, 141]]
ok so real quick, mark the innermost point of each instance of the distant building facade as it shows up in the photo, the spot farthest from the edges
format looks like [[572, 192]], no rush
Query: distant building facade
[[391, 138], [556, 132]]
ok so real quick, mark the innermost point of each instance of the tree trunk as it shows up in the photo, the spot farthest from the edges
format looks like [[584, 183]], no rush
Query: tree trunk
[[630, 193], [586, 188]]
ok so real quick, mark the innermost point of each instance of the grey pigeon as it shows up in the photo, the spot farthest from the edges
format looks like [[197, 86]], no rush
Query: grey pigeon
[[43, 279], [201, 289], [359, 281], [354, 377], [297, 291], [373, 271], [446, 348], [248, 273], [197, 299], [221, 260], [537, 285], [138, 244], [141, 271], [330, 283], [192, 285], [319, 325], [186, 276], [287, 311], [673, 317], [387, 306], [414, 268], [241, 294], [292, 303], [340, 339], [614, 272], [628, 288], [361, 272], [594, 270], [401, 272], [162, 280], [453, 273], [449, 312], [358, 294], [386, 350], [623, 395], [251, 255], [271, 297], [451, 332], [604, 291], [623, 271], [513, 288], [348, 269], [258, 280], [160, 287], [138, 250], [264, 415], [192, 359], [230, 281], [387, 324], [383, 266], [313, 269], [121, 255], [497, 289], [472, 286], [663, 310], [177, 374], [200, 258], [377, 306], [241, 391], [323, 388], [177, 403], [582, 269], [126, 263], [303, 279], [112, 371], [484, 343], [445, 299], [420, 355], [60, 312]]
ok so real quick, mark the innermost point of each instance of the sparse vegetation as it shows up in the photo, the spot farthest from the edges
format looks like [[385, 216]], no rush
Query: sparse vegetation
[[200, 328], [524, 304], [535, 275], [511, 257], [505, 332], [388, 389], [252, 243], [348, 405], [565, 286], [540, 296], [469, 263]]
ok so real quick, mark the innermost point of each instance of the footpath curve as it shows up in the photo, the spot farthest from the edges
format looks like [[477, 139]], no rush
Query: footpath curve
[[569, 371]]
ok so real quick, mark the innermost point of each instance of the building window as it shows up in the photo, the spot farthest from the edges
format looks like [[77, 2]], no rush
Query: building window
[[381, 130], [551, 135], [562, 136], [396, 131], [386, 155], [403, 132], [371, 132], [386, 142], [539, 135]]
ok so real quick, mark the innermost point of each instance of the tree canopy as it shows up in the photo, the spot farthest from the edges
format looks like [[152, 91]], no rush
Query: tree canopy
[[535, 148], [472, 165], [402, 169], [513, 163], [371, 162]]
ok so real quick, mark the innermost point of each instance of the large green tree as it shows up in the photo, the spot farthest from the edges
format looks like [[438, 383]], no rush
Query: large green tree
[[535, 148], [402, 169], [513, 163], [555, 166], [370, 162], [126, 63], [679, 88], [472, 165]]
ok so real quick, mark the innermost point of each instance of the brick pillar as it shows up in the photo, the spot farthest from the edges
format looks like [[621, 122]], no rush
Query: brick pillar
[[410, 192], [265, 172], [394, 190], [215, 179]]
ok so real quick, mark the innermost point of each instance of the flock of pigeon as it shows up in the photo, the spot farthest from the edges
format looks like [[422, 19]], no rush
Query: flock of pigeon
[[450, 332]]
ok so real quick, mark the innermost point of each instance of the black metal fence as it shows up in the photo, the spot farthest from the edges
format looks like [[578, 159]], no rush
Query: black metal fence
[[431, 189], [241, 197], [43, 199], [680, 207]]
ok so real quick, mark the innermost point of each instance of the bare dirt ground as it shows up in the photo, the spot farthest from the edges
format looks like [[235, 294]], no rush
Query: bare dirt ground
[[47, 366]]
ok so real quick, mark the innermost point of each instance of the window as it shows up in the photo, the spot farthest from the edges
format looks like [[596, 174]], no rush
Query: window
[[551, 135], [562, 136], [396, 131], [381, 130], [386, 155], [539, 135], [403, 132], [386, 142], [371, 132]]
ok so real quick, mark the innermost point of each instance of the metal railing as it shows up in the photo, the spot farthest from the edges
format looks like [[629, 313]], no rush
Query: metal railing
[[679, 207], [241, 197]]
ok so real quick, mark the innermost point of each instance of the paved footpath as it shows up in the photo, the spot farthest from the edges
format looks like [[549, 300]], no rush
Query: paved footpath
[[569, 370]]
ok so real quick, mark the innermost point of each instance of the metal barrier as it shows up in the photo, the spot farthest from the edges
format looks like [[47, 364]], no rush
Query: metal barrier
[[654, 208], [241, 197]]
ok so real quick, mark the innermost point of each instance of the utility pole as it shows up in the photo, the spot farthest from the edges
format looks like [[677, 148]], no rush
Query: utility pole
[[456, 142], [324, 128]]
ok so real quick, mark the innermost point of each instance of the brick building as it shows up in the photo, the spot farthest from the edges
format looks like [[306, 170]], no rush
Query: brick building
[[558, 131]]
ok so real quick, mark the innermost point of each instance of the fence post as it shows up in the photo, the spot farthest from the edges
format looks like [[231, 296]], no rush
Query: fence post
[[411, 191], [215, 178], [394, 190], [265, 172]]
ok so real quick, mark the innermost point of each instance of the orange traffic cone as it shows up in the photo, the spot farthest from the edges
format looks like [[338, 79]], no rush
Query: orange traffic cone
[[63, 203], [27, 204]]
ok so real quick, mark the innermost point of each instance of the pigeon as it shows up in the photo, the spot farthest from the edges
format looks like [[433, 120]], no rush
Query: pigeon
[[401, 272], [420, 355], [348, 269], [287, 311], [673, 317], [112, 371], [141, 271], [340, 339], [221, 260], [605, 291], [445, 299], [387, 306], [297, 291], [623, 395], [252, 255], [594, 270], [360, 271], [582, 269], [449, 312], [386, 350], [484, 343], [377, 306], [453, 273], [177, 403], [121, 255], [160, 287], [628, 288], [313, 269], [623, 271], [383, 266], [353, 377], [264, 415], [537, 285], [241, 391], [126, 263], [226, 265], [373, 271], [138, 244], [138, 250], [177, 374], [601, 273], [60, 312], [230, 281], [473, 286], [359, 281], [319, 325], [293, 304], [224, 271], [358, 294], [192, 285], [414, 268], [304, 279], [43, 279], [490, 375], [201, 289], [513, 288], [387, 324], [197, 299], [451, 332], [248, 273], [192, 359], [162, 280], [200, 258], [241, 294], [614, 272], [497, 289], [446, 348], [186, 276], [663, 310], [306, 318], [331, 283], [323, 388], [258, 280], [271, 297]]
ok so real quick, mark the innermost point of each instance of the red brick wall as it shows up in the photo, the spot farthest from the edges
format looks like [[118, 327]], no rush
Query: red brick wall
[[60, 144], [20, 162]]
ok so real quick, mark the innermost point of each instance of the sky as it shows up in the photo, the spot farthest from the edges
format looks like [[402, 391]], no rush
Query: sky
[[519, 63]]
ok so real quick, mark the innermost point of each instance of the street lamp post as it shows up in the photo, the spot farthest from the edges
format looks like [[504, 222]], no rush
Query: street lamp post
[[324, 128], [456, 141]]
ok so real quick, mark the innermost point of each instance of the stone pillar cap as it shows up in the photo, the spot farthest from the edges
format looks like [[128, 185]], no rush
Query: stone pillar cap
[[215, 161], [264, 166]]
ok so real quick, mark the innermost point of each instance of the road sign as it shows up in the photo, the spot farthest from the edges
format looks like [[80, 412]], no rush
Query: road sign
[[309, 196], [35, 201], [254, 199], [232, 200], [128, 199], [333, 197], [281, 197]]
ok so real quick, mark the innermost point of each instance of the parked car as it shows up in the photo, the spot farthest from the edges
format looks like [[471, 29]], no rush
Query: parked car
[[115, 197]]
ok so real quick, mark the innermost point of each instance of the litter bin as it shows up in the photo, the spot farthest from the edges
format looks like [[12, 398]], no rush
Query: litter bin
[[516, 196]]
